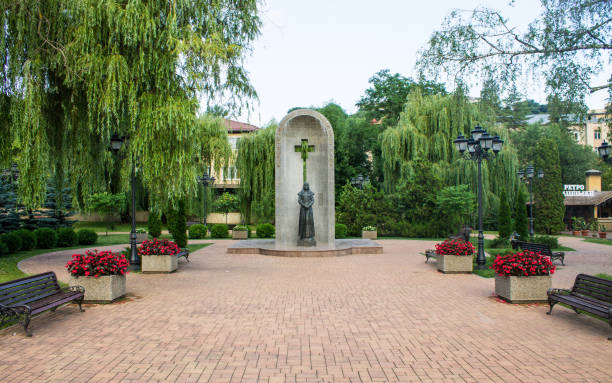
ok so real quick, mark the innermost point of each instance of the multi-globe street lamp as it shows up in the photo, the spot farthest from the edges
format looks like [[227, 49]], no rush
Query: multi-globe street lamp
[[477, 147], [116, 144], [527, 176], [206, 181], [605, 152], [359, 181]]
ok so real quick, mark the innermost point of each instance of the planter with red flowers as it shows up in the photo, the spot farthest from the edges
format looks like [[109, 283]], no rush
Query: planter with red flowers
[[102, 274], [523, 277], [454, 256], [159, 256]]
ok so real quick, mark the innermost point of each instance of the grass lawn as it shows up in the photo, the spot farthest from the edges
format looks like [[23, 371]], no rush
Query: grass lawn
[[101, 226], [601, 241], [8, 264], [604, 276]]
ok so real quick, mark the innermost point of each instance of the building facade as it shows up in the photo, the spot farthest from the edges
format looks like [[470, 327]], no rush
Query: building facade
[[228, 178], [593, 131]]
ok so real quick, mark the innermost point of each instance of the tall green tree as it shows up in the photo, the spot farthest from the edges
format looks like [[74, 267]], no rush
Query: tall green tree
[[385, 98], [548, 196], [520, 216], [567, 44], [76, 72], [255, 163], [504, 221], [426, 130]]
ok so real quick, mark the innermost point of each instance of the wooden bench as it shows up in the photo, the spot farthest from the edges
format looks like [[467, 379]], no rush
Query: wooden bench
[[28, 296], [591, 294], [542, 249], [183, 253], [463, 234], [429, 253]]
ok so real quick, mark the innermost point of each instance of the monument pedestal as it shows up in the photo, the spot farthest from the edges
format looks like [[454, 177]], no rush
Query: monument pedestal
[[340, 247]]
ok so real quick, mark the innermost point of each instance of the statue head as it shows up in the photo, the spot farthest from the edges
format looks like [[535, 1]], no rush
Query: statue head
[[306, 187]]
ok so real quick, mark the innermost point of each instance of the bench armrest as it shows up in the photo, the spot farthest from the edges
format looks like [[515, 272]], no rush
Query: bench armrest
[[79, 289], [557, 253], [14, 310], [558, 291]]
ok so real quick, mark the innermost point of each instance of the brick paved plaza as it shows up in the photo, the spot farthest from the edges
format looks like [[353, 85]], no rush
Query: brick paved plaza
[[359, 318]]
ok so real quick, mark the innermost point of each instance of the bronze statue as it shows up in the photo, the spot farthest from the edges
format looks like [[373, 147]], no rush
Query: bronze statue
[[306, 223]]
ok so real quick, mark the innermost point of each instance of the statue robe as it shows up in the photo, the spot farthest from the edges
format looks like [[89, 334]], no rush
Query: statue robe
[[306, 223]]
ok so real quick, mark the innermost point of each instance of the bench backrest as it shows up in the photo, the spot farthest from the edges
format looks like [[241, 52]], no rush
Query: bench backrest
[[28, 289], [535, 247], [594, 287]]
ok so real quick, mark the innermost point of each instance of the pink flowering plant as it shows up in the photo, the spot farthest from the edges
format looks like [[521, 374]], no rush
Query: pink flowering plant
[[523, 264], [157, 247], [96, 264], [455, 247]]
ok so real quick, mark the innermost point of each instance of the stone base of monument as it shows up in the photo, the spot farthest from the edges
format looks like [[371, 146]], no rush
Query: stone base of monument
[[341, 247]]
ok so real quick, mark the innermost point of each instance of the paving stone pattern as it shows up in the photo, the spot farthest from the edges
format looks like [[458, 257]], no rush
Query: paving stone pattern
[[360, 318]]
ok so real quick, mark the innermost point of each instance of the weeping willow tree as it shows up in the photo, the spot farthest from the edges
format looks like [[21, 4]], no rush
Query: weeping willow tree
[[426, 130], [255, 163], [76, 72]]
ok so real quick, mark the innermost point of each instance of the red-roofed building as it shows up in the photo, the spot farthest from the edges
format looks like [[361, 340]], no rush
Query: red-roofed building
[[228, 177]]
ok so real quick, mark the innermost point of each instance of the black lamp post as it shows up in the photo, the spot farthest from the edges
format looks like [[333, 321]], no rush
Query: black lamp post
[[605, 152], [527, 176], [116, 144], [206, 181], [478, 147], [359, 181]]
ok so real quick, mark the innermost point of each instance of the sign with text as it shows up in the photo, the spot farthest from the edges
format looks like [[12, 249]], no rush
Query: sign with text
[[577, 191]]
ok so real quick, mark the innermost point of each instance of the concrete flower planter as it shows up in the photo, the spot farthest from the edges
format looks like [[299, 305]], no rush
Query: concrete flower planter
[[141, 237], [103, 289], [523, 289], [240, 234], [454, 264], [159, 263], [369, 234]]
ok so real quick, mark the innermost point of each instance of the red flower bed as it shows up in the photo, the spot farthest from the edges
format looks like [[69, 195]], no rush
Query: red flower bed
[[157, 247], [455, 247], [523, 264], [94, 264]]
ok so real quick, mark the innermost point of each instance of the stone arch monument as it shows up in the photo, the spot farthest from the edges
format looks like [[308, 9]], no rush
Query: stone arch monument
[[304, 153]]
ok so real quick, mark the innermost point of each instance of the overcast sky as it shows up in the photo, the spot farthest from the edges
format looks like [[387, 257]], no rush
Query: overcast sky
[[316, 51]]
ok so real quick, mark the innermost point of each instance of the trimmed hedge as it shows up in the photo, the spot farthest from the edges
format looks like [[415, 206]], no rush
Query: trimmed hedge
[[66, 237], [45, 238], [219, 230], [3, 249], [12, 241], [265, 230], [28, 239], [341, 230], [86, 237], [154, 225], [198, 231], [549, 240]]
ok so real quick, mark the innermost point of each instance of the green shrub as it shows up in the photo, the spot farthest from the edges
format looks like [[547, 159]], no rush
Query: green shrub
[[341, 230], [219, 230], [12, 241], [66, 237], [499, 243], [549, 240], [3, 249], [154, 225], [265, 230], [177, 224], [28, 239], [45, 238], [198, 231], [86, 237]]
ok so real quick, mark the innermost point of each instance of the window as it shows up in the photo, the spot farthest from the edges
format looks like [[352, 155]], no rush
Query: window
[[598, 134], [577, 136]]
